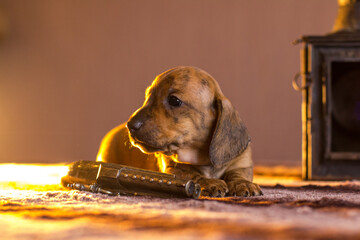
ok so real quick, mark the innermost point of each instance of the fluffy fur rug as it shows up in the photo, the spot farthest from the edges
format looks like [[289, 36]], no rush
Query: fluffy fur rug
[[300, 210]]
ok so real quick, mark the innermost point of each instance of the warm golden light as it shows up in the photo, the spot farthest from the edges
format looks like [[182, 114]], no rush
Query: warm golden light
[[105, 143], [99, 157], [346, 2], [32, 174], [148, 92], [161, 161]]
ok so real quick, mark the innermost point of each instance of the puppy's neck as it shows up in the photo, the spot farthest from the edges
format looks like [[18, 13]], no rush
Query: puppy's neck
[[193, 156]]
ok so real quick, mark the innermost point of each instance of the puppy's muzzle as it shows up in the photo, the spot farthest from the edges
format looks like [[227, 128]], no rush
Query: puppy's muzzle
[[134, 128], [136, 121], [134, 125], [139, 135]]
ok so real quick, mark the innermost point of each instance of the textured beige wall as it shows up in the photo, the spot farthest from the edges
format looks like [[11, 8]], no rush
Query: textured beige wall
[[72, 70]]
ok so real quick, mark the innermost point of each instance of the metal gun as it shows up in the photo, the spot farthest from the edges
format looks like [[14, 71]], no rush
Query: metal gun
[[116, 179]]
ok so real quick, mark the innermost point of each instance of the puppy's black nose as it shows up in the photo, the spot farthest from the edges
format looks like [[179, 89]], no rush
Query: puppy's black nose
[[133, 125]]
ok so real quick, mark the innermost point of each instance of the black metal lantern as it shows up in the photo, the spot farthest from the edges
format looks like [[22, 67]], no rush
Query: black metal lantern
[[331, 98]]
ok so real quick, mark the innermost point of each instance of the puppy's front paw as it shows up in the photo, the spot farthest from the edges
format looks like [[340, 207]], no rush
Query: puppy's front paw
[[244, 188], [213, 187]]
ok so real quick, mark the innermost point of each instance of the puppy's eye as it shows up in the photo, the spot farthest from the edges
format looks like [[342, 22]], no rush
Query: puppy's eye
[[174, 101]]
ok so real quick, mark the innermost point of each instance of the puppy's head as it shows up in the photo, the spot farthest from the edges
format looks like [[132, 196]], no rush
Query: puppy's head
[[186, 115]]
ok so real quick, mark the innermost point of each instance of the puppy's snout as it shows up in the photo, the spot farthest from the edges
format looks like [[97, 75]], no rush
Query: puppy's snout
[[134, 124], [137, 120]]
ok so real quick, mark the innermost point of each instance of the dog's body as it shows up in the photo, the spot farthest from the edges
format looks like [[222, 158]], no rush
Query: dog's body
[[187, 127]]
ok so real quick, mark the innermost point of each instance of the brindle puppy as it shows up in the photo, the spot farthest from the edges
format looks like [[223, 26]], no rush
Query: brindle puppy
[[187, 127]]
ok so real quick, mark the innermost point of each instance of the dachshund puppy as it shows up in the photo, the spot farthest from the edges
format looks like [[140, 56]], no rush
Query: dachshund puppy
[[187, 127]]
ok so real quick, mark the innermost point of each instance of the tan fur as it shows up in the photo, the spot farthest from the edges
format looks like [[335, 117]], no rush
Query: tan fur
[[202, 139]]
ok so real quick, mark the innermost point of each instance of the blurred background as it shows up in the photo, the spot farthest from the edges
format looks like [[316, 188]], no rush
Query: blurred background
[[72, 70]]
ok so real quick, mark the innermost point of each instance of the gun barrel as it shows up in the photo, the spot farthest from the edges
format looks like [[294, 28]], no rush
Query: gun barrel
[[127, 180]]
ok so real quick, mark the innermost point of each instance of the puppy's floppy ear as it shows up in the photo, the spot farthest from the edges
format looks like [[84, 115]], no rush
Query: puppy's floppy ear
[[230, 137]]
